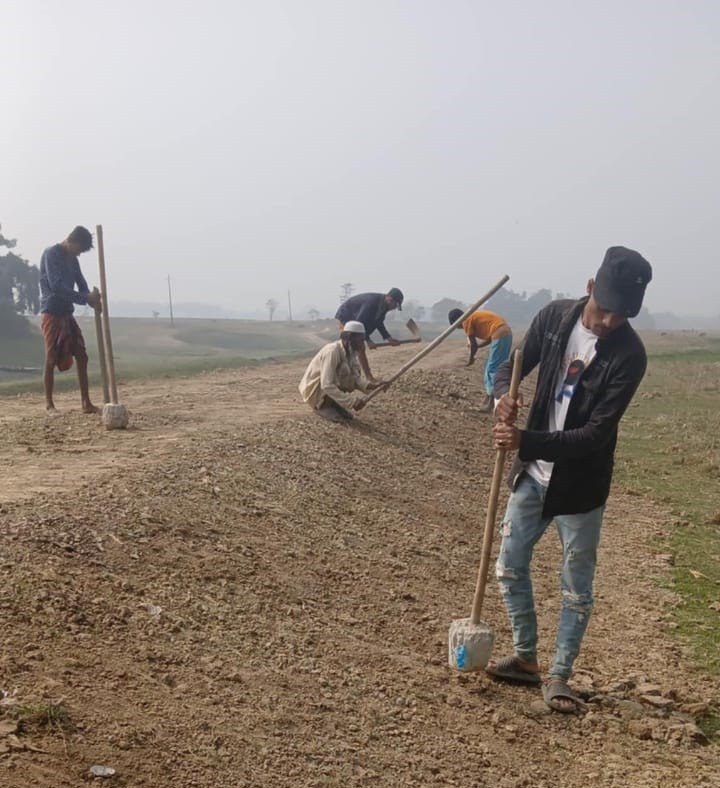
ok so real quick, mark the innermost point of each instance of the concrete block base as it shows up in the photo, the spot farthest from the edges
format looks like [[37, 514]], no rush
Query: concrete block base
[[115, 417], [469, 645]]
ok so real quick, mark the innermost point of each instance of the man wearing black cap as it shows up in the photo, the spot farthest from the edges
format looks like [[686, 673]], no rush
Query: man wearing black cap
[[590, 362], [370, 309]]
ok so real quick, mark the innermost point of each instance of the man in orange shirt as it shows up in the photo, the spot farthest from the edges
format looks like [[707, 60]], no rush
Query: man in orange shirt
[[486, 328]]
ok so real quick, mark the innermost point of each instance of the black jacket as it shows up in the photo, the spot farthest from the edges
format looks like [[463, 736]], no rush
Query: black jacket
[[369, 308], [583, 452]]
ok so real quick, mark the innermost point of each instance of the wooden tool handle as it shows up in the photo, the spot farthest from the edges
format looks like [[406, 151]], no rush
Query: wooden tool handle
[[109, 358], [101, 352], [429, 348], [400, 342], [492, 504]]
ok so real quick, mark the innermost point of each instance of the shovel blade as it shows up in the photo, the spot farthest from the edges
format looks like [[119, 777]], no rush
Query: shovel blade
[[413, 328]]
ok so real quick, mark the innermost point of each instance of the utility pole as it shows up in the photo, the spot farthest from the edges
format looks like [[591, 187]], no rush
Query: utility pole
[[172, 322], [346, 290], [289, 307]]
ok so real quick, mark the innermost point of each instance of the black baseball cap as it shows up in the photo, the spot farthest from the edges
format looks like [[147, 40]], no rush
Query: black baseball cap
[[621, 281], [396, 296]]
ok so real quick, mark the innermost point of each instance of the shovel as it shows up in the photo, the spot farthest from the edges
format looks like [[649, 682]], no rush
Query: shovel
[[413, 328], [470, 640]]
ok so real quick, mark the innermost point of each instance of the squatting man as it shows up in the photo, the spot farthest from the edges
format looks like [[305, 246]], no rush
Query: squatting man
[[334, 375]]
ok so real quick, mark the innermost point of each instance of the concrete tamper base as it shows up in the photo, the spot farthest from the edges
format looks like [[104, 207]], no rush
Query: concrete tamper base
[[469, 645], [115, 417]]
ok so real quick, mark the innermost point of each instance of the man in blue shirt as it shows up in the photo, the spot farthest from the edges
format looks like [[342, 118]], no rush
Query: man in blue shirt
[[370, 310], [59, 274]]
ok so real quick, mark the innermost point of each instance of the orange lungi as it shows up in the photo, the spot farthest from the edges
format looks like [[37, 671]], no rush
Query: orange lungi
[[63, 339]]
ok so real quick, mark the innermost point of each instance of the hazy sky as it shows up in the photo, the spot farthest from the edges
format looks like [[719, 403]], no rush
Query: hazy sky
[[246, 148]]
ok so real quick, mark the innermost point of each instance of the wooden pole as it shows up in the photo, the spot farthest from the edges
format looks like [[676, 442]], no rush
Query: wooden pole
[[492, 505], [289, 307], [106, 317], [101, 352], [429, 348]]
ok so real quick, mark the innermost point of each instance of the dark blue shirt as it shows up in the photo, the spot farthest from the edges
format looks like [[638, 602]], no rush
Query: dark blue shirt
[[369, 308], [59, 273]]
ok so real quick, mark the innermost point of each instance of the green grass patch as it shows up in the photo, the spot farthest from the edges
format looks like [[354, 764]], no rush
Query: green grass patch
[[154, 349], [689, 347], [39, 716], [22, 351], [710, 724], [670, 452], [702, 355]]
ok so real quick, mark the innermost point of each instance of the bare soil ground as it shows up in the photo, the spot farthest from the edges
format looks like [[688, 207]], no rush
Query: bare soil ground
[[237, 593]]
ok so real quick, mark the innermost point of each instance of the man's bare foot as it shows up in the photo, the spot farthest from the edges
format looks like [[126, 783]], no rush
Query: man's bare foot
[[51, 410], [89, 408]]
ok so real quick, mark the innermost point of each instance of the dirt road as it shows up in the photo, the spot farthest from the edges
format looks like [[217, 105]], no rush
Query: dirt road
[[237, 593]]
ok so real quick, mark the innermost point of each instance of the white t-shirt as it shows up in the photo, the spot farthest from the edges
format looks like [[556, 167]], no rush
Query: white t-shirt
[[578, 356]]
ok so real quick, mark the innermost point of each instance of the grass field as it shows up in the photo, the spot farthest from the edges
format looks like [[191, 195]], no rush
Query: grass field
[[147, 348], [144, 348], [670, 451]]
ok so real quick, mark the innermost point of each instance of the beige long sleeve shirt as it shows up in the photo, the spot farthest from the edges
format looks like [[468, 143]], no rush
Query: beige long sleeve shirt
[[333, 373]]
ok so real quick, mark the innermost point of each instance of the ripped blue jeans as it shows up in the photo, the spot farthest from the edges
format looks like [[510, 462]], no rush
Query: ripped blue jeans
[[522, 528]]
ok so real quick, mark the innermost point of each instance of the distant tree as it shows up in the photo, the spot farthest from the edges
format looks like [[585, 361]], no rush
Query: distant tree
[[413, 309], [439, 310], [313, 314], [19, 290], [517, 308], [9, 242], [155, 314], [644, 321], [346, 291], [271, 305], [538, 300], [509, 304]]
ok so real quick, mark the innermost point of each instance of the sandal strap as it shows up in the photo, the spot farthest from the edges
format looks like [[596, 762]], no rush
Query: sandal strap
[[562, 689], [504, 663]]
